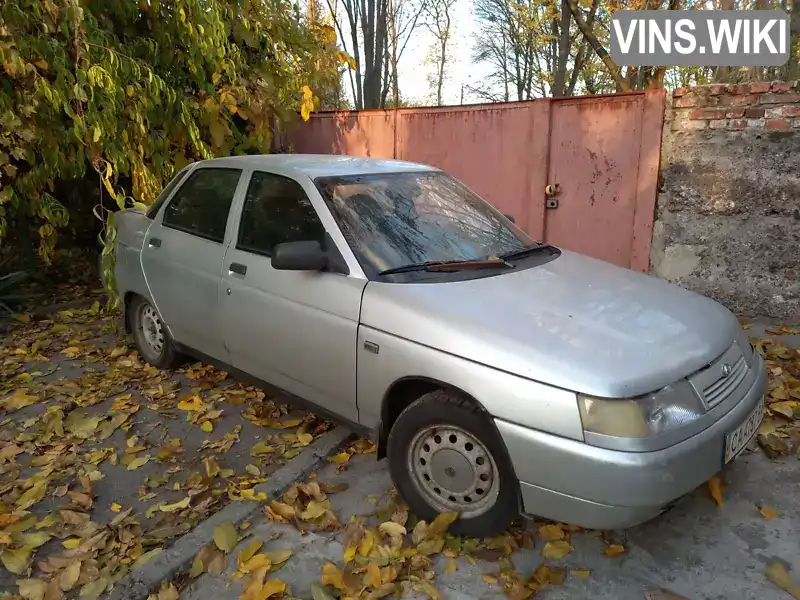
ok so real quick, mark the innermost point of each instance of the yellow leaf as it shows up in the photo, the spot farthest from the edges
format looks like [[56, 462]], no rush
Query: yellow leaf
[[340, 458], [92, 590], [32, 589], [249, 552], [138, 462], [313, 511], [176, 506], [332, 576], [261, 448], [259, 561], [551, 533], [452, 566], [715, 488], [557, 549], [271, 588], [207, 426], [441, 524], [613, 550], [253, 470], [225, 537], [580, 573], [278, 557], [768, 512], [116, 507], [305, 438], [19, 399], [784, 408], [34, 540], [778, 575], [144, 558], [71, 543], [69, 576], [349, 554], [193, 403], [366, 543], [373, 575], [251, 494], [489, 579], [33, 495], [281, 509], [392, 528], [16, 560]]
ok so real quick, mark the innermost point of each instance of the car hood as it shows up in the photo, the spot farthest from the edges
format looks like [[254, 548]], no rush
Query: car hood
[[574, 322]]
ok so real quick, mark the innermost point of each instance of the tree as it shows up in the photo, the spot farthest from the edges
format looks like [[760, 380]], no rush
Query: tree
[[367, 22], [128, 92], [439, 22], [403, 17]]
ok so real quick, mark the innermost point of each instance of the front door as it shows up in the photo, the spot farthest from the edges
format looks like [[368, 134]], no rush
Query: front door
[[294, 329], [183, 255]]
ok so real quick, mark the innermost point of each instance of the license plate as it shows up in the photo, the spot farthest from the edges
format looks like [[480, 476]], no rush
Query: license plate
[[736, 440]]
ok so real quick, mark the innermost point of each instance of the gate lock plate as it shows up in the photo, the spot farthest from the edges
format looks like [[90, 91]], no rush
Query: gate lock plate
[[550, 193]]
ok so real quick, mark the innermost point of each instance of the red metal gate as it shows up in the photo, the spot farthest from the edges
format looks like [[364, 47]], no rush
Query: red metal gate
[[599, 155]]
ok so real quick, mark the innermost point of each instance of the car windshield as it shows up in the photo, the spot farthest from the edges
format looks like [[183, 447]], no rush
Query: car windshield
[[392, 220]]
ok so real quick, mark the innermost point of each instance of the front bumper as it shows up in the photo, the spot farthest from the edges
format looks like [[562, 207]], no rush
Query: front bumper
[[570, 481]]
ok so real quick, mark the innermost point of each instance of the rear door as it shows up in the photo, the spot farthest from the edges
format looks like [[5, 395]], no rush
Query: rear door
[[183, 254], [294, 329]]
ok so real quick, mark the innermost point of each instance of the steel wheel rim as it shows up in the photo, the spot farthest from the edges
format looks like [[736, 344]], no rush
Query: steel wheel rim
[[453, 470], [152, 329]]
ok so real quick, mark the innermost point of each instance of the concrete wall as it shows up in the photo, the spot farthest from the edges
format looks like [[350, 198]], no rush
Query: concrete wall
[[728, 208]]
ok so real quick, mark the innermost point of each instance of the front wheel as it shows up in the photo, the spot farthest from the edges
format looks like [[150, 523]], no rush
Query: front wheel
[[446, 456], [151, 336]]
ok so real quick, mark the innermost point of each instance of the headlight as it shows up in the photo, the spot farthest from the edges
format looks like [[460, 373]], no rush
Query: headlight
[[744, 344], [669, 408]]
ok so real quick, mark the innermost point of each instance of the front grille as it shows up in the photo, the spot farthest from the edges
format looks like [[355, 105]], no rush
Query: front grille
[[721, 378], [722, 388]]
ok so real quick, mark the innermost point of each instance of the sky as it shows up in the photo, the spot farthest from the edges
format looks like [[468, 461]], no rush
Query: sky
[[413, 71]]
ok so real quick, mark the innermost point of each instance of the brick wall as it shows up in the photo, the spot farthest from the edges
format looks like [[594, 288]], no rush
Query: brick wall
[[761, 105], [728, 208]]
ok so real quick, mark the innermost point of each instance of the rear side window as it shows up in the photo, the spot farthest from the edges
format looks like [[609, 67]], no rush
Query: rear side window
[[202, 204], [276, 210], [152, 211]]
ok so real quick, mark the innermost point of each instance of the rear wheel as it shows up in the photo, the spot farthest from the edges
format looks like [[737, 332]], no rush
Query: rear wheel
[[446, 456], [151, 336]]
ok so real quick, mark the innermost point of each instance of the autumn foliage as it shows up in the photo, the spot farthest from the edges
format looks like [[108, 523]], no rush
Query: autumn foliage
[[124, 93]]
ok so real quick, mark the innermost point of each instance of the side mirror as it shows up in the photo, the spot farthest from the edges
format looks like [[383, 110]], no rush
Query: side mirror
[[299, 256], [510, 217]]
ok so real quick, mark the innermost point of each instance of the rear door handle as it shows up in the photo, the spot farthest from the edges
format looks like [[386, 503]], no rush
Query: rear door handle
[[155, 242], [238, 268]]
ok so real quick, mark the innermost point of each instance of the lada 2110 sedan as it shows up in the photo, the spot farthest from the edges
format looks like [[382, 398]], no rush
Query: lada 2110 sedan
[[497, 374]]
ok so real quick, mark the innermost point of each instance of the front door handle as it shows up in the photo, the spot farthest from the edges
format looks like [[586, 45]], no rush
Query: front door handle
[[155, 242], [238, 268]]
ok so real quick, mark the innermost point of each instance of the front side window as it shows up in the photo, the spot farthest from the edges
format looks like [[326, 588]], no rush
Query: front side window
[[276, 210], [202, 204], [392, 220], [162, 197]]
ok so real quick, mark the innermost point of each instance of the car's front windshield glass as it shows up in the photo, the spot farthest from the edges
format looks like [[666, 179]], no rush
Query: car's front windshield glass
[[392, 220]]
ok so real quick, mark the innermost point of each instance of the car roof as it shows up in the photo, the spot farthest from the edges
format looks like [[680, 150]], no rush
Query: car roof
[[318, 165]]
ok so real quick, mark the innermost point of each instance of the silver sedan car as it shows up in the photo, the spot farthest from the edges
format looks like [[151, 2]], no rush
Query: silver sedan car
[[498, 375]]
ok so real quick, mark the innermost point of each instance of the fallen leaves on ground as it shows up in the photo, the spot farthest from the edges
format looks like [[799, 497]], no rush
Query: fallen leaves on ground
[[61, 434], [779, 433]]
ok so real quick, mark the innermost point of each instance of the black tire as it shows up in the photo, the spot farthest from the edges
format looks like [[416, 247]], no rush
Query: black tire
[[168, 357], [447, 409]]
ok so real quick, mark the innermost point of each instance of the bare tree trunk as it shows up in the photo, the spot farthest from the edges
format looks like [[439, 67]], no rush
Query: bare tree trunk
[[587, 32], [560, 77]]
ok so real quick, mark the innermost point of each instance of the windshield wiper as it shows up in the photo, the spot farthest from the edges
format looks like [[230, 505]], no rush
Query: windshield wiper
[[527, 251], [451, 265]]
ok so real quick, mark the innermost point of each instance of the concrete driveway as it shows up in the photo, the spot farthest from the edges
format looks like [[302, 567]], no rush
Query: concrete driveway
[[698, 550]]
